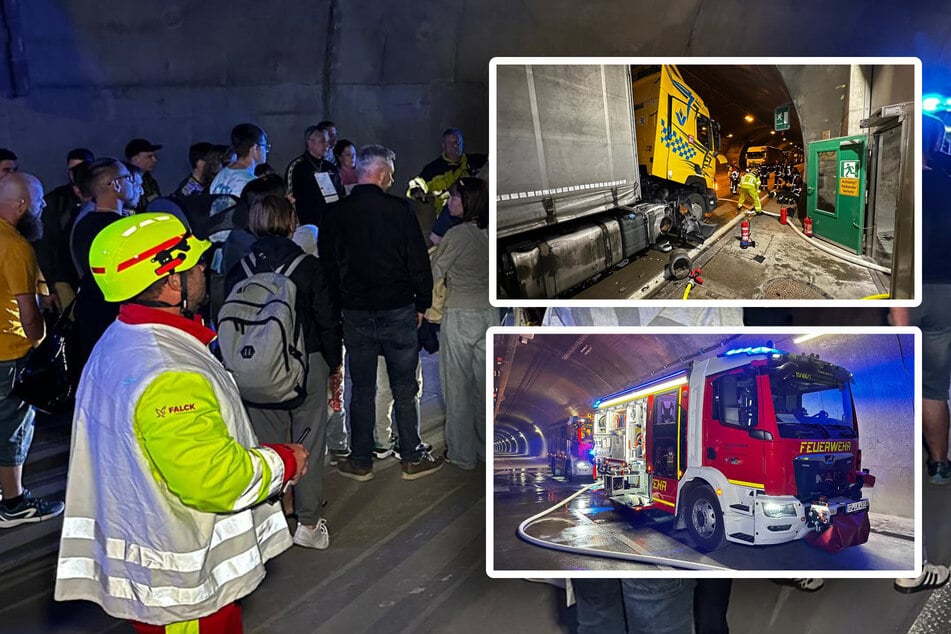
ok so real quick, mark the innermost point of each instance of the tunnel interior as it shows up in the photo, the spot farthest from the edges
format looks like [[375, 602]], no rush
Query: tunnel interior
[[542, 380]]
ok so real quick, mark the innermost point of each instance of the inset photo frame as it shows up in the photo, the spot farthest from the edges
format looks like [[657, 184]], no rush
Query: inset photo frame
[[724, 452]]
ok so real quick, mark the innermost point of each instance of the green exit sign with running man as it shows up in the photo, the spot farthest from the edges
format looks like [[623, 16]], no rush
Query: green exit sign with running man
[[781, 120]]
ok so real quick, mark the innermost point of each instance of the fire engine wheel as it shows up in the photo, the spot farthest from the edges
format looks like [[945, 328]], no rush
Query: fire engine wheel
[[705, 520]]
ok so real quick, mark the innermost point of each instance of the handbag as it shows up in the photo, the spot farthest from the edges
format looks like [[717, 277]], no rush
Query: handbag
[[43, 381]]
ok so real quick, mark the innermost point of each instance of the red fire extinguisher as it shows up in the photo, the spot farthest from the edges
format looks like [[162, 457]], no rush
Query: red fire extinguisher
[[745, 234], [782, 215], [807, 226]]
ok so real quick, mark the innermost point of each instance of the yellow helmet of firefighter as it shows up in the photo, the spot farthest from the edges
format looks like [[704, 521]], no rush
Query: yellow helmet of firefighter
[[133, 252]]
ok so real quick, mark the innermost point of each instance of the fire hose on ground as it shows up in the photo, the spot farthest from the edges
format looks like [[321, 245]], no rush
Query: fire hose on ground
[[596, 552]]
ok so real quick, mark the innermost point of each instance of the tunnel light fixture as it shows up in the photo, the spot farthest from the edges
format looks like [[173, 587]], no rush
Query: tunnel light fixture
[[748, 118], [772, 131], [802, 338], [657, 386], [729, 136]]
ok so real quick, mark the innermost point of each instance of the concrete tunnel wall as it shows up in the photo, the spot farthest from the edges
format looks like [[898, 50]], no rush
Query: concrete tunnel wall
[[177, 72]]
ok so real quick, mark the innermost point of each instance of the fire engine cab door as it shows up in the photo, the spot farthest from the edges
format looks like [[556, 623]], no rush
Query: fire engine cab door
[[835, 188], [729, 438]]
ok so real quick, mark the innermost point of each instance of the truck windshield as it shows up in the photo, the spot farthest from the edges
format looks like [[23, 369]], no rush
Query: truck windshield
[[811, 407]]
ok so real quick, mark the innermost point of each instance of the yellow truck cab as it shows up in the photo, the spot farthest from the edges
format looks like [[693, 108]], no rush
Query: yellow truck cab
[[677, 140]]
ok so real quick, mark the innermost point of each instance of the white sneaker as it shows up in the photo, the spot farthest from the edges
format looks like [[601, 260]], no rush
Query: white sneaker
[[313, 536], [932, 576]]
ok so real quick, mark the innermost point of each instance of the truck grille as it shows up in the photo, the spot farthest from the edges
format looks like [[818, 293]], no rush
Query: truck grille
[[818, 475]]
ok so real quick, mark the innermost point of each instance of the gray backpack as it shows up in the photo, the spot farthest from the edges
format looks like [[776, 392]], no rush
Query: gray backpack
[[261, 339]]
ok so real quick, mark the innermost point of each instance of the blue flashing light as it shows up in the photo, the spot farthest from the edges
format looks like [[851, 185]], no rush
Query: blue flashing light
[[930, 103], [597, 403], [750, 351]]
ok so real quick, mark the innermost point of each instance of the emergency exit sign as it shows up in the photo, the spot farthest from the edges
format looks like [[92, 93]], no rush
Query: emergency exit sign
[[781, 120]]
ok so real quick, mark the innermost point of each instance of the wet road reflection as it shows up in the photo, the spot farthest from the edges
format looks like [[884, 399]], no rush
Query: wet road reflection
[[524, 487]]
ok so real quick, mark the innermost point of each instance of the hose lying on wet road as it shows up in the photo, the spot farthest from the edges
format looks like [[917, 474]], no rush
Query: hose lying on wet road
[[596, 552]]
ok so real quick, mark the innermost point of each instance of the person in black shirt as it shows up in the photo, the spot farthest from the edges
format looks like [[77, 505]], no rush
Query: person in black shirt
[[114, 189], [312, 180], [378, 270], [193, 184], [62, 208]]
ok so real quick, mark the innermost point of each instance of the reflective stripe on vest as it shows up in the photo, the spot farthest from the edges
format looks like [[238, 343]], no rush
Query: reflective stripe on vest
[[167, 591], [268, 470]]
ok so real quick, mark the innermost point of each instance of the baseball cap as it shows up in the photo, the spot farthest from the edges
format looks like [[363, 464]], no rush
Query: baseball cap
[[140, 145]]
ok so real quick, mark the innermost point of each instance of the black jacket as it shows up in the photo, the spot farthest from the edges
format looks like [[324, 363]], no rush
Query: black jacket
[[315, 310], [53, 250], [309, 201], [374, 254]]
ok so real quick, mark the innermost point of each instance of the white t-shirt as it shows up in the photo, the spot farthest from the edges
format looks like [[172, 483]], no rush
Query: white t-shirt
[[231, 181]]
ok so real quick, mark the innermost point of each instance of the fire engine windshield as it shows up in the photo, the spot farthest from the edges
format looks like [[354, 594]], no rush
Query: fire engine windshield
[[808, 406]]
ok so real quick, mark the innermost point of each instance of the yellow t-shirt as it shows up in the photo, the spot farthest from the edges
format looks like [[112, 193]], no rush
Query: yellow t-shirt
[[19, 275]]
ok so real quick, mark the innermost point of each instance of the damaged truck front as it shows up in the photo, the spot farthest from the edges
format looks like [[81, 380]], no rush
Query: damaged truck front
[[573, 201]]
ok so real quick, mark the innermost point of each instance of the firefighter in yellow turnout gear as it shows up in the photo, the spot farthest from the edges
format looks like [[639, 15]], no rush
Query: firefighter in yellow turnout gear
[[749, 186]]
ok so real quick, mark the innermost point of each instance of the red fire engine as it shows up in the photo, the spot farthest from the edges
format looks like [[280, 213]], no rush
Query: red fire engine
[[755, 446]]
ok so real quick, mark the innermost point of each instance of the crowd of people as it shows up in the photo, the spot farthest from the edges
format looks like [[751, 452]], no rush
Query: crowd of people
[[245, 302]]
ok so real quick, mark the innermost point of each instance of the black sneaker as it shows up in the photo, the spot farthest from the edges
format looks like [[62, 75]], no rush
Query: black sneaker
[[382, 453], [423, 447], [423, 467], [30, 511], [348, 469], [337, 454]]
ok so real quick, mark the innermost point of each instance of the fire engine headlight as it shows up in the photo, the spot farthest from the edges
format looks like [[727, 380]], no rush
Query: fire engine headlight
[[774, 509]]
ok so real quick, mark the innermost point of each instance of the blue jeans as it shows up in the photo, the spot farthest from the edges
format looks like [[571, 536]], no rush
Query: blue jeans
[[635, 606], [16, 419], [391, 333]]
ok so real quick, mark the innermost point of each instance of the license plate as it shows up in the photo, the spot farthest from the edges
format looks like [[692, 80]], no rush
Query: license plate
[[852, 507]]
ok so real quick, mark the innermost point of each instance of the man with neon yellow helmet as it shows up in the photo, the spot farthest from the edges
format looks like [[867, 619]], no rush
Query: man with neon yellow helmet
[[167, 482]]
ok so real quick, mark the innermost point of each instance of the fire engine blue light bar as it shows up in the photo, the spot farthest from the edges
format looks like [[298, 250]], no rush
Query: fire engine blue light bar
[[750, 351]]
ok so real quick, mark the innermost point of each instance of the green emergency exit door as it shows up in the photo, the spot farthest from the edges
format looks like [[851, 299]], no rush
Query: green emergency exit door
[[835, 190]]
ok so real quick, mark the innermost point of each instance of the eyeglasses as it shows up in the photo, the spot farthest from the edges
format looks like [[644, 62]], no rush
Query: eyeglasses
[[128, 177], [266, 146]]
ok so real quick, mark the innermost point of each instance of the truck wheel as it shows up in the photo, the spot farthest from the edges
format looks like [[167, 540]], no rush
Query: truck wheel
[[678, 265], [695, 205], [704, 520], [568, 476]]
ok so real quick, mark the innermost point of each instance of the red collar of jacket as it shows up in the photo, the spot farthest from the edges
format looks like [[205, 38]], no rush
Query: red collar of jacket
[[137, 314]]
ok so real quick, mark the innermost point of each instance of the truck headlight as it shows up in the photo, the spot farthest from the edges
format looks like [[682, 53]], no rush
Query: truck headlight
[[774, 509]]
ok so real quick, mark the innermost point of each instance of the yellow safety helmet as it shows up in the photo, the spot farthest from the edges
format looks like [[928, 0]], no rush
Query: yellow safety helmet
[[133, 252]]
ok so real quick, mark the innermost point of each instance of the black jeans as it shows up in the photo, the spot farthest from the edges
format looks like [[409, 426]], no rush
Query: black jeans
[[391, 333]]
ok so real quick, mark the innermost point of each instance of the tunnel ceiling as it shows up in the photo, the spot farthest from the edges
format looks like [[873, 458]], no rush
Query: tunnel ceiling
[[548, 377], [732, 92]]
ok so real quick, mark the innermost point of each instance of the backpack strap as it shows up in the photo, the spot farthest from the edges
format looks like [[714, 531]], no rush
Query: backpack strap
[[289, 269], [249, 263]]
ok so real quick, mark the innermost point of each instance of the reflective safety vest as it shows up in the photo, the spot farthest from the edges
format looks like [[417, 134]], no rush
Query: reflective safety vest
[[437, 177], [164, 521], [750, 181]]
